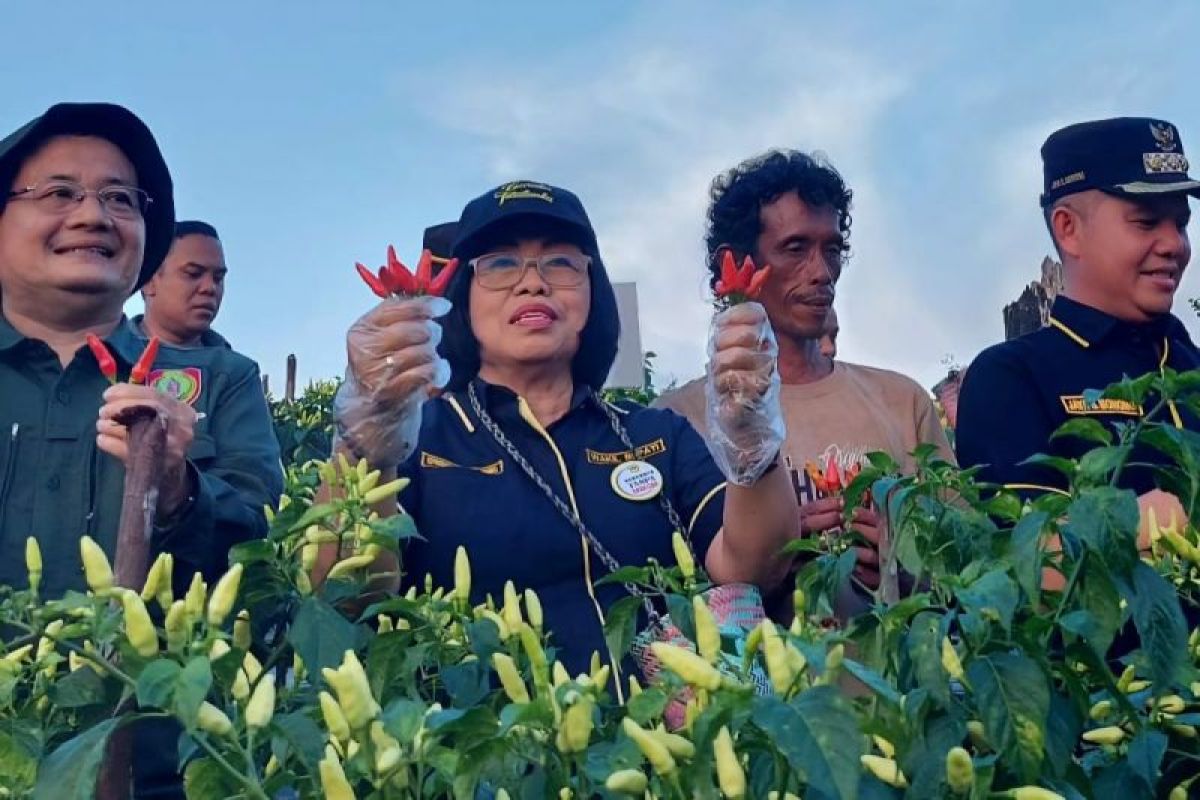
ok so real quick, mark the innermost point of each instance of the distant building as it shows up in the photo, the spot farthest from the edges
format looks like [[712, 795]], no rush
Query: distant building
[[627, 371], [1026, 314], [1031, 311]]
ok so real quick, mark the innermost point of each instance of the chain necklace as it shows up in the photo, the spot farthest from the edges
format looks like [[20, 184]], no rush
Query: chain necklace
[[601, 551]]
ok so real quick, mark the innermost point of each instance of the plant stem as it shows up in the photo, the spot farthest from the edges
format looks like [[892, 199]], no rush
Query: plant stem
[[251, 785]]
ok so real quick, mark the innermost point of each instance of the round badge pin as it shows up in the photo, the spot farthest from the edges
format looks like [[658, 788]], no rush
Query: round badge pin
[[637, 480]]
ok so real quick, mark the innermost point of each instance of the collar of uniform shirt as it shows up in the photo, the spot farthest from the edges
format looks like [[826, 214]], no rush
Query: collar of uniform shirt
[[1092, 325], [495, 396], [10, 337], [125, 341]]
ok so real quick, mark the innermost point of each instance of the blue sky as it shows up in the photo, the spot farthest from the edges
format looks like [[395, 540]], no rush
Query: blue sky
[[314, 134]]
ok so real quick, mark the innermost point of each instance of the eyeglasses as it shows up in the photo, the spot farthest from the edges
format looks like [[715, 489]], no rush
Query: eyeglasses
[[506, 270], [62, 197]]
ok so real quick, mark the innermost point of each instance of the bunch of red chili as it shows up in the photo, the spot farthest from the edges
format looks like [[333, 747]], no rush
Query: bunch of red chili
[[832, 480], [108, 364], [396, 279], [739, 284]]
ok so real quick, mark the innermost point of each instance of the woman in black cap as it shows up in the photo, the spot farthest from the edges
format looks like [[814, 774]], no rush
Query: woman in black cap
[[520, 461]]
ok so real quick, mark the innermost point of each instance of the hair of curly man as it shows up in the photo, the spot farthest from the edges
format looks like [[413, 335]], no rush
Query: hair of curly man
[[738, 195]]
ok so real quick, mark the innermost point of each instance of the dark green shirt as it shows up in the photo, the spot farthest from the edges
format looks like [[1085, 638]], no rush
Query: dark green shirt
[[209, 338], [56, 484]]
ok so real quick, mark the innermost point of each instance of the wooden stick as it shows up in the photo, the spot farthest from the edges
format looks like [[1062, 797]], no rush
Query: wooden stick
[[147, 447], [290, 390]]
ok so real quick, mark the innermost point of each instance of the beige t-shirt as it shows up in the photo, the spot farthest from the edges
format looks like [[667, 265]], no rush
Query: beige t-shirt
[[852, 411]]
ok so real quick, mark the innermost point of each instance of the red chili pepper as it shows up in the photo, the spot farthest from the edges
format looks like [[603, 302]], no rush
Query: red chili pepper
[[396, 279], [728, 283], [402, 280], [424, 270], [370, 280], [438, 286], [142, 368], [757, 281], [818, 480], [736, 285], [104, 359], [833, 476], [746, 272]]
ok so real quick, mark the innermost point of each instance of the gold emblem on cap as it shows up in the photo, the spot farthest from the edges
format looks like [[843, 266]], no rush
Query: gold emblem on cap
[[1164, 135], [1158, 163], [524, 190]]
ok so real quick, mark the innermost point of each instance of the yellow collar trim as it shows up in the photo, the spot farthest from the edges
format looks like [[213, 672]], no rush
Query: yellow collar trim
[[1072, 335]]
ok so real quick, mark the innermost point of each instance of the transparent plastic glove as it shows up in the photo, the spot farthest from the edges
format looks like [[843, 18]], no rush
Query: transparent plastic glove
[[393, 369], [745, 423]]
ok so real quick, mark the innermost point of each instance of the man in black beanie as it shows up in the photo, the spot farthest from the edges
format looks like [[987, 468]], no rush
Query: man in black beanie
[[86, 216]]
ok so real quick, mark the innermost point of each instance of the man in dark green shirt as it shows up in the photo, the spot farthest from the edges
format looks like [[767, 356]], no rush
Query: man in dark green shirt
[[86, 216], [184, 296]]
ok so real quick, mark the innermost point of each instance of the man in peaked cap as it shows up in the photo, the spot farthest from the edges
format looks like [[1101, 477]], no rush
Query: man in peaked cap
[[86, 216], [1116, 205]]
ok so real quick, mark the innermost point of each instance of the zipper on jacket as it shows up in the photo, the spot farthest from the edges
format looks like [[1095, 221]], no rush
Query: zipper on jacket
[[6, 478]]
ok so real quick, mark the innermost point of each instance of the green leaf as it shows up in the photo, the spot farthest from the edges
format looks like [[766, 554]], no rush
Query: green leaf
[[1063, 465], [924, 643], [190, 690], [1084, 428], [873, 681], [466, 725], [1014, 703], [304, 736], [204, 779], [18, 764], [635, 575], [315, 513], [1025, 554], [1160, 624], [321, 635], [466, 684], [682, 615], [402, 719], [1063, 727], [1096, 466], [1100, 599], [156, 684], [69, 773], [1145, 756], [484, 638], [1105, 519], [620, 625], [83, 687], [818, 735], [391, 531], [251, 552], [648, 705], [924, 758], [994, 597]]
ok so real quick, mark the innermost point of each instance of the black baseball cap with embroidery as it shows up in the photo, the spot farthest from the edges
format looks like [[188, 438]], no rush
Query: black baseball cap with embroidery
[[1130, 156], [521, 199], [123, 128]]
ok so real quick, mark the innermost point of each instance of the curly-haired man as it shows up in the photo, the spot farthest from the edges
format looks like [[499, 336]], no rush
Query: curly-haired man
[[792, 210]]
